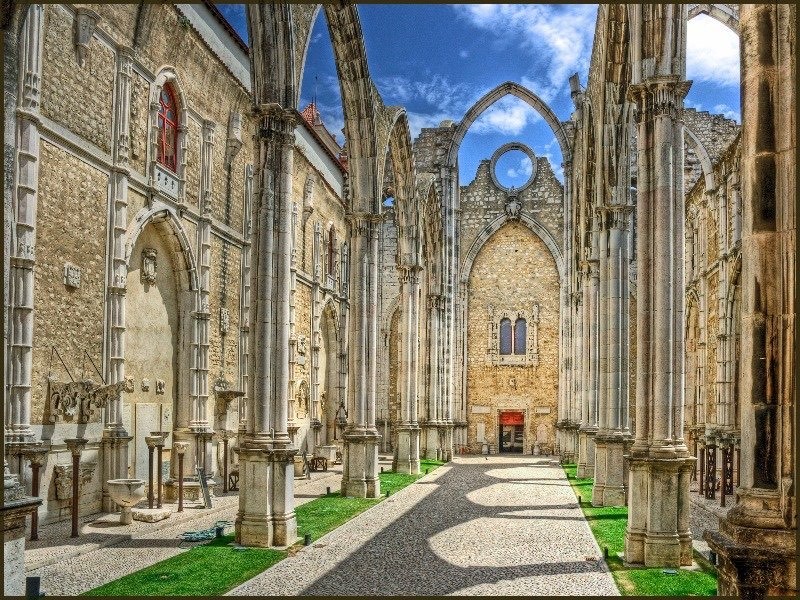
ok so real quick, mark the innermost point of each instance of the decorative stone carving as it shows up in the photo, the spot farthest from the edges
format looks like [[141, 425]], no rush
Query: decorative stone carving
[[160, 387], [78, 401], [72, 275], [302, 401], [62, 474], [301, 344], [85, 23], [224, 320], [531, 355], [129, 385], [513, 205], [148, 270], [145, 385]]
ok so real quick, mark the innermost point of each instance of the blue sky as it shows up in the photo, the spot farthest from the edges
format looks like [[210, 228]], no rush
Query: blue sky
[[436, 60]]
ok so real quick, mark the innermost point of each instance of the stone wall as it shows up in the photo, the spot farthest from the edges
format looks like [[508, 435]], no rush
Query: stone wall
[[513, 270]]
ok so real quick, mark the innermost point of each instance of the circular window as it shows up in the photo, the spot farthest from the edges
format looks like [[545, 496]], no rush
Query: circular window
[[513, 166]]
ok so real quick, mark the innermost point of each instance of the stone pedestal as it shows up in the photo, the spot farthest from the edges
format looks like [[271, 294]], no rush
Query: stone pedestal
[[284, 520], [329, 452], [360, 464], [406, 453], [658, 524], [609, 483], [586, 449], [753, 562], [431, 437], [16, 506]]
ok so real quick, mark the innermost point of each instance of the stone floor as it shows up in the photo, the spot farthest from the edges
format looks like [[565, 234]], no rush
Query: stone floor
[[493, 525], [107, 550]]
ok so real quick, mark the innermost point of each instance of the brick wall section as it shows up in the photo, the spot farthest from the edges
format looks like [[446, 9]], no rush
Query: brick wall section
[[513, 270], [71, 227], [78, 97]]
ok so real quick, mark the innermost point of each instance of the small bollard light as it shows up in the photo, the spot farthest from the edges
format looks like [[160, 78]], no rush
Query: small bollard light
[[220, 531], [605, 552], [426, 471], [712, 558], [328, 491], [381, 469], [387, 493], [580, 500], [307, 539]]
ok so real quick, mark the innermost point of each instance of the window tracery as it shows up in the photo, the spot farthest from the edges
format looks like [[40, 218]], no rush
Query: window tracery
[[513, 336], [167, 129]]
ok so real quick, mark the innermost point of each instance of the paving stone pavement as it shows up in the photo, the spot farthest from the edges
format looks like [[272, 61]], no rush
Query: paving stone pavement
[[106, 550], [498, 525]]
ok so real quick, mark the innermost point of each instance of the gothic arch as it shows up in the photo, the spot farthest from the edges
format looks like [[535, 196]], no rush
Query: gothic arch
[[724, 13], [398, 151], [170, 226], [702, 155], [537, 228], [524, 94], [427, 198]]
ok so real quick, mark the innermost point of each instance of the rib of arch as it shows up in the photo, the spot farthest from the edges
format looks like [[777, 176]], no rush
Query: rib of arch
[[168, 222], [723, 13], [702, 155], [535, 226], [524, 94]]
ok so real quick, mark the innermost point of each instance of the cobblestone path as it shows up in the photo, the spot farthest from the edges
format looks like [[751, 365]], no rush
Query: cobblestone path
[[506, 525]]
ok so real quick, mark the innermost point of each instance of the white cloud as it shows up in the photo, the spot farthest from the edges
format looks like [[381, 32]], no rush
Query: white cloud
[[712, 52], [509, 116], [522, 170], [727, 112], [557, 38], [464, 53]]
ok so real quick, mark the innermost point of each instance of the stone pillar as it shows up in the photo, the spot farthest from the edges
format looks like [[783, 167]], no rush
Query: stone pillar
[[657, 533], [756, 544], [115, 441], [435, 432], [266, 499], [23, 235], [609, 486], [593, 354], [586, 431], [361, 438], [407, 450]]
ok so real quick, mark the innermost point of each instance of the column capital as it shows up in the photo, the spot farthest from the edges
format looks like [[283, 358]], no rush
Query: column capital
[[275, 121], [660, 95]]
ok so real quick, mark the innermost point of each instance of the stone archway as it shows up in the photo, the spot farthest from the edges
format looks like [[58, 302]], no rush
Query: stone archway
[[159, 299]]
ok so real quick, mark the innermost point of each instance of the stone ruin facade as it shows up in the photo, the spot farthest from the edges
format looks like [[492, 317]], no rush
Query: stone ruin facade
[[305, 298]]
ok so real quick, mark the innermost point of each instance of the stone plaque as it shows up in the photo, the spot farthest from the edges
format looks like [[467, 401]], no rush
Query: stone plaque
[[481, 410], [148, 418], [542, 410], [72, 275]]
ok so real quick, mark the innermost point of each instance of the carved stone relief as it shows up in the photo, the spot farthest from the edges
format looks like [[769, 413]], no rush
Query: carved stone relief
[[302, 401], [62, 474], [85, 23], [78, 401], [145, 385], [148, 270], [160, 386], [224, 320]]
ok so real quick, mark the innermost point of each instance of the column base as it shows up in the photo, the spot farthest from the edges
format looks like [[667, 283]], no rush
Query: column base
[[360, 464], [754, 562], [586, 448], [658, 533], [609, 482], [266, 514], [431, 435], [406, 454]]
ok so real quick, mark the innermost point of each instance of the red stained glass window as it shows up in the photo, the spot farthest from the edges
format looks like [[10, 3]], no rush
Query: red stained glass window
[[168, 129]]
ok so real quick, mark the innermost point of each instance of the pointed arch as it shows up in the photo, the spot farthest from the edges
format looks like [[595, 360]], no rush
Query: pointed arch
[[169, 224], [702, 155], [537, 228], [509, 88], [726, 14]]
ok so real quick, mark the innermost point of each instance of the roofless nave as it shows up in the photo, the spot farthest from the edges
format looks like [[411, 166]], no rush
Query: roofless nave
[[194, 263]]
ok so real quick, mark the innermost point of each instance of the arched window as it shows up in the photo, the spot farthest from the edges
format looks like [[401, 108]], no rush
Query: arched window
[[520, 335], [168, 129], [505, 336], [332, 251]]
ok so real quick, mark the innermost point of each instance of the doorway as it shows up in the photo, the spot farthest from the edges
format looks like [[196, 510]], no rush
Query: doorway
[[512, 431]]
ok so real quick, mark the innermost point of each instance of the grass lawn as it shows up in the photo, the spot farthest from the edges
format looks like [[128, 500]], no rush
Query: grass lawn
[[608, 526], [215, 568]]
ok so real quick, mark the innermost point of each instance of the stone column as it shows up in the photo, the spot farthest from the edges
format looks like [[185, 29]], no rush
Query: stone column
[[435, 424], [609, 486], [23, 235], [361, 438], [16, 506], [756, 544], [266, 499], [658, 534], [586, 431], [407, 450], [593, 354], [115, 441], [450, 322]]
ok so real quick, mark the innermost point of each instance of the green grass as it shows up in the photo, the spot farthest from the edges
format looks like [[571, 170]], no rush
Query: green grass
[[215, 568], [208, 570], [608, 526]]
